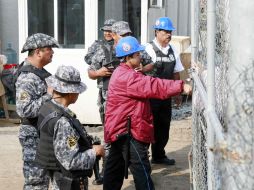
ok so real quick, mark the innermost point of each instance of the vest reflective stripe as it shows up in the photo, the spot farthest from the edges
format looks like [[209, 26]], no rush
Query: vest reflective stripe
[[171, 58]]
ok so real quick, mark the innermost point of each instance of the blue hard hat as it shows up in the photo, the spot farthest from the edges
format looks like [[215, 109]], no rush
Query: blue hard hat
[[127, 46], [164, 23]]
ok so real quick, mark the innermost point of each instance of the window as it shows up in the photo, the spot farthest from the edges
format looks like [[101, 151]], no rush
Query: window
[[156, 3], [40, 17], [71, 23], [70, 20], [126, 10]]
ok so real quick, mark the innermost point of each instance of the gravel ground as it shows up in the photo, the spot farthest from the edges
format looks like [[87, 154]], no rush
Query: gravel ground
[[182, 112], [164, 177]]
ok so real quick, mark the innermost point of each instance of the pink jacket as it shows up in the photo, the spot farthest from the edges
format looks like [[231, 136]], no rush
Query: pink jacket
[[128, 95]]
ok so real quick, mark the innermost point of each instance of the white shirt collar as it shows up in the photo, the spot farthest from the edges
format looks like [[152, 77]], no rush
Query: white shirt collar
[[163, 49]]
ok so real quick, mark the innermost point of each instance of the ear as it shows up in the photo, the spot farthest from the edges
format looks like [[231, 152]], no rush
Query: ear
[[114, 35], [37, 52], [127, 58]]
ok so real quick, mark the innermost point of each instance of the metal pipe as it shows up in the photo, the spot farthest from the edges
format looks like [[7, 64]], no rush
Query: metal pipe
[[194, 42], [210, 89], [194, 45], [217, 127], [211, 114], [194, 29]]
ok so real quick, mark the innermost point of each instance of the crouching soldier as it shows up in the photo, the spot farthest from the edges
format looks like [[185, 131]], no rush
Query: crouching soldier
[[65, 149]]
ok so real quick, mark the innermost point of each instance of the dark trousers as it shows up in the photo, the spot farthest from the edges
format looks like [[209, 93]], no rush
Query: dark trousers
[[101, 103], [162, 116], [139, 165], [61, 182]]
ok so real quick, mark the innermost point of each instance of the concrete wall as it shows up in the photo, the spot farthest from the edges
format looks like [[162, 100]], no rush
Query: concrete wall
[[9, 31]]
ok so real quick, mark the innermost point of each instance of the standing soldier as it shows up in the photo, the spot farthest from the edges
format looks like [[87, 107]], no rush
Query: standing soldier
[[103, 63], [166, 65], [107, 34], [65, 149], [31, 93], [105, 44]]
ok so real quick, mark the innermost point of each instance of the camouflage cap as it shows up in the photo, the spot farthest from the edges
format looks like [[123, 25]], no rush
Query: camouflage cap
[[39, 40], [121, 28], [108, 24], [66, 80]]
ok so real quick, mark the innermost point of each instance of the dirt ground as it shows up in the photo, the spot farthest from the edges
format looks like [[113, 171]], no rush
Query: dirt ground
[[165, 177]]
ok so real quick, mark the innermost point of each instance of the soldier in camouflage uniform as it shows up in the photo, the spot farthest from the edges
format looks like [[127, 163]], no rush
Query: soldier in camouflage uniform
[[31, 93], [107, 42], [100, 67], [107, 34], [65, 149]]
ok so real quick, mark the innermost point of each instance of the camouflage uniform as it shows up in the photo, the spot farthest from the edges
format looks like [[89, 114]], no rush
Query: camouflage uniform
[[30, 95], [98, 60], [68, 155], [66, 137], [96, 63], [96, 45]]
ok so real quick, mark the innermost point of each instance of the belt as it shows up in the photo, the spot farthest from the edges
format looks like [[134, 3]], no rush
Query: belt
[[29, 121]]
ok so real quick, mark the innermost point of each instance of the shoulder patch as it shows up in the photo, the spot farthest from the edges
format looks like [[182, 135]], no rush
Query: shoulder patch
[[23, 96], [72, 142]]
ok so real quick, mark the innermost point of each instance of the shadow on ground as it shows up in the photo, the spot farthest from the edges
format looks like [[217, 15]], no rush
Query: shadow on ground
[[175, 177]]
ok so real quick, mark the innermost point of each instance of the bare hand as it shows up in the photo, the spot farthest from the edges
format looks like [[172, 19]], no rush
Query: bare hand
[[147, 68], [104, 72], [187, 89], [140, 68], [99, 150]]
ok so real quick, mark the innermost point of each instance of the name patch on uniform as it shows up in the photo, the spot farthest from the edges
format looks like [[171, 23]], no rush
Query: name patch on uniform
[[170, 58], [72, 142], [23, 96]]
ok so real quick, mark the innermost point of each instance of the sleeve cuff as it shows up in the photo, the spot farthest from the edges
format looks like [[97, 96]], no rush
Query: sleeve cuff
[[47, 97]]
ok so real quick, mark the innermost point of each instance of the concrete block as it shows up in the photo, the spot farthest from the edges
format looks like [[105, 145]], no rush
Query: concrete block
[[186, 61], [181, 43]]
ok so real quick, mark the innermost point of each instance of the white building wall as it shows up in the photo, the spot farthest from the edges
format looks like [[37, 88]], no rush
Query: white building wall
[[11, 11]]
